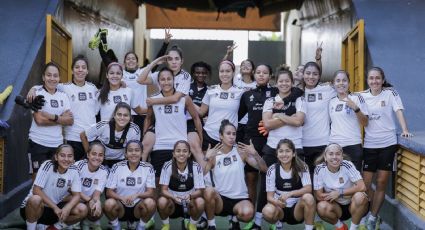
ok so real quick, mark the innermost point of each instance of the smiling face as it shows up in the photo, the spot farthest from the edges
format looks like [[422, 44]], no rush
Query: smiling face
[[166, 81], [114, 75], [200, 74], [122, 117], [130, 61], [375, 80], [311, 76], [299, 73], [246, 68], [181, 153], [228, 137], [285, 154], [51, 77], [225, 73], [262, 75], [65, 158], [333, 156], [284, 83], [174, 61], [80, 71], [341, 83], [96, 155], [133, 153]]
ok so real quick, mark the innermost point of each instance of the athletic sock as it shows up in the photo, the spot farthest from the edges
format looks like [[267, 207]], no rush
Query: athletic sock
[[234, 219], [192, 221], [166, 221], [353, 226], [114, 222], [308, 227], [371, 217], [258, 218], [211, 222], [338, 224], [142, 223], [31, 226]]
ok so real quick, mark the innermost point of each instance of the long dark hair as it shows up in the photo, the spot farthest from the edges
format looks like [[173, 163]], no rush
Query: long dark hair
[[297, 165], [119, 106], [79, 57], [96, 143], [174, 172], [58, 150], [104, 91], [133, 141], [381, 71], [223, 125], [253, 68], [177, 49]]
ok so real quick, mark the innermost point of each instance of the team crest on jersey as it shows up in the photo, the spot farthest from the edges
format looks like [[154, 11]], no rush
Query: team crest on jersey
[[382, 103], [139, 180], [168, 109], [319, 96], [73, 97], [60, 183], [176, 108], [117, 99], [54, 103], [82, 96], [341, 180], [268, 93], [96, 181], [224, 95], [87, 182], [182, 178], [227, 161], [232, 95], [130, 181], [251, 98], [234, 158], [339, 107], [90, 95], [311, 98], [125, 97]]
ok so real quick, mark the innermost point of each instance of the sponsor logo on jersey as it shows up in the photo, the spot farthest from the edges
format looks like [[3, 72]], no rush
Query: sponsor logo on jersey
[[224, 95], [117, 99], [176, 108], [60, 183], [139, 180], [87, 182], [311, 98], [125, 97], [287, 185], [234, 158], [130, 181], [182, 178], [341, 180], [82, 96], [96, 181], [251, 98], [90, 96], [227, 161], [319, 96], [73, 97], [382, 103], [339, 107], [168, 109], [232, 95], [268, 93], [54, 103], [61, 103]]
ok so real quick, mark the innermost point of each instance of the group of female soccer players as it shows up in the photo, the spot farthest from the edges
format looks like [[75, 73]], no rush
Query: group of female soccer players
[[182, 153]]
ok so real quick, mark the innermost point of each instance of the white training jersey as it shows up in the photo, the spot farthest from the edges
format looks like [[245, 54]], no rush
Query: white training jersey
[[55, 185], [345, 127], [316, 129], [181, 81], [238, 82], [50, 135], [292, 133], [222, 104], [381, 129], [139, 90], [286, 178], [126, 182], [101, 131], [114, 97], [170, 125], [197, 175], [91, 181], [229, 176], [345, 178]]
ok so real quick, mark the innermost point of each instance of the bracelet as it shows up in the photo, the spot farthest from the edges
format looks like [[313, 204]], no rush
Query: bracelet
[[55, 119], [357, 110], [341, 193]]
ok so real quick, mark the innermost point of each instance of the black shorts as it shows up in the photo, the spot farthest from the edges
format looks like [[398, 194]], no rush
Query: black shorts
[[37, 154], [191, 126], [269, 155], [139, 120], [151, 129], [379, 158], [129, 213], [47, 218], [240, 133], [79, 152], [178, 211], [345, 212], [259, 143], [289, 217], [355, 152], [207, 140], [310, 154], [228, 205], [158, 158]]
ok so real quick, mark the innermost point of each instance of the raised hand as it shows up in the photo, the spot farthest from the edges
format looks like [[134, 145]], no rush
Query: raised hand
[[168, 36], [319, 50]]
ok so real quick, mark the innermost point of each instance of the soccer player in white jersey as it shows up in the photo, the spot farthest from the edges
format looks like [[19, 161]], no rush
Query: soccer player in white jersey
[[348, 113], [182, 184], [226, 162], [45, 134], [130, 189], [112, 93], [83, 99], [170, 125], [220, 102], [114, 134], [380, 142], [316, 127], [93, 177], [289, 190], [339, 189], [57, 179]]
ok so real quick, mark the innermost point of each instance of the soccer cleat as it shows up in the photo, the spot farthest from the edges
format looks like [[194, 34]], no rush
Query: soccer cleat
[[255, 227], [211, 227], [94, 41], [191, 226], [234, 225], [150, 224], [131, 225], [362, 227], [202, 224], [165, 227], [248, 225], [102, 36], [319, 225]]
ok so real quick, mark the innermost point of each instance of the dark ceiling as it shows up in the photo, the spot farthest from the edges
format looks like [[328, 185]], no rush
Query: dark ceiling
[[265, 7]]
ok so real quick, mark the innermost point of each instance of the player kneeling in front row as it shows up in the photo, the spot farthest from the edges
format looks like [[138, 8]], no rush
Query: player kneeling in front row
[[56, 179], [288, 187], [130, 189], [340, 190], [181, 183]]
